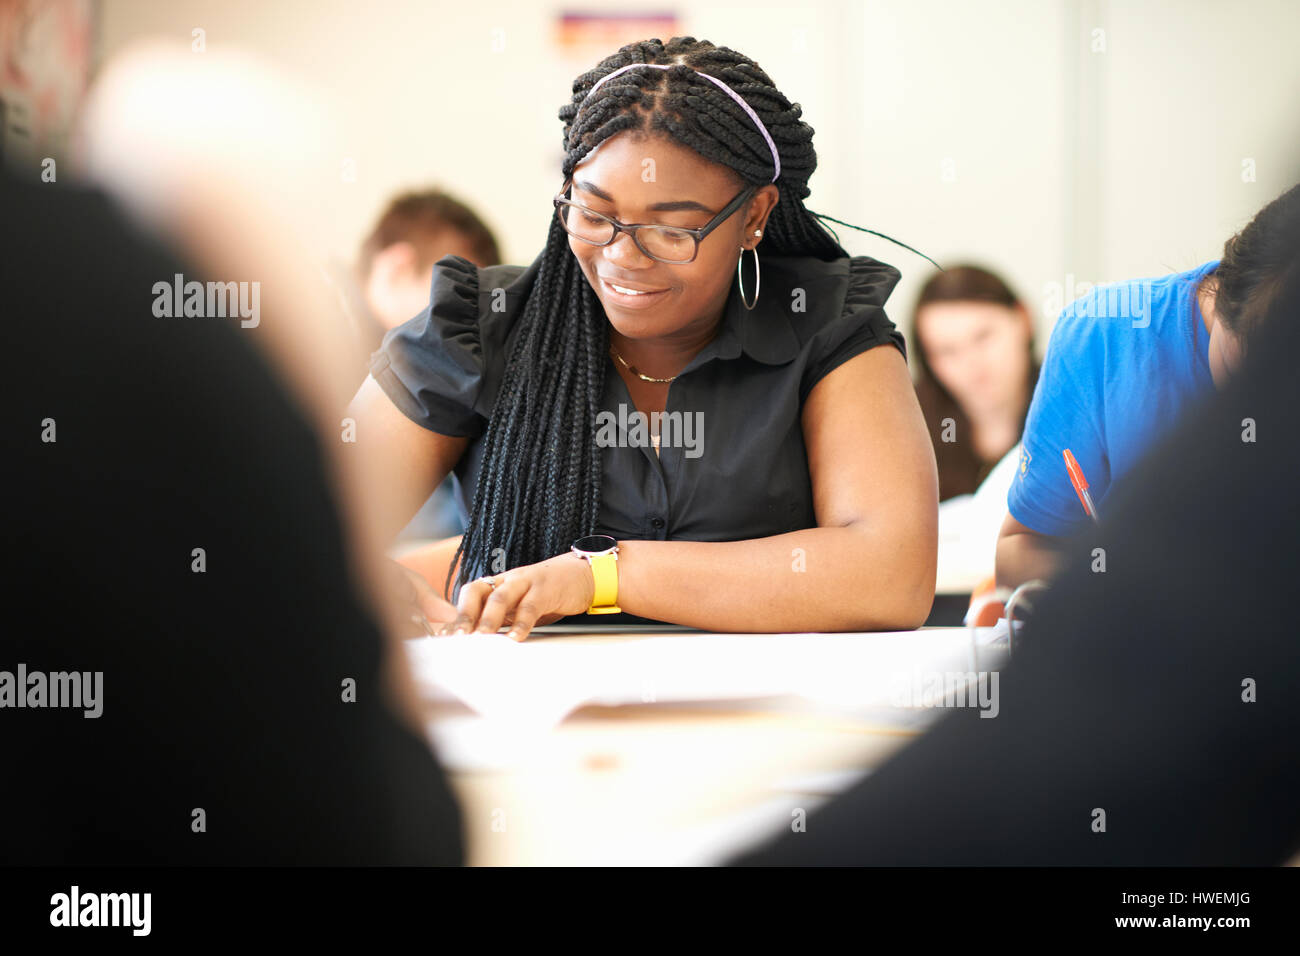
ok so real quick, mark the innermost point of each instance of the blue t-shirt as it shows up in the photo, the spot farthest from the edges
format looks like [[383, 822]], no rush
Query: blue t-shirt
[[1122, 365]]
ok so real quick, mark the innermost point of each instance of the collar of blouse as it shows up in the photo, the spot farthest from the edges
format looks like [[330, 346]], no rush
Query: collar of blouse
[[792, 287], [763, 333]]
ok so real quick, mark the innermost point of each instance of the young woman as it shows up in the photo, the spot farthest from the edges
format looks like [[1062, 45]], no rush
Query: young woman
[[976, 372], [789, 485]]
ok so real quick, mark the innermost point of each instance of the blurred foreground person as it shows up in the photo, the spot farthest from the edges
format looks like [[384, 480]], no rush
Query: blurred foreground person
[[242, 714], [207, 668]]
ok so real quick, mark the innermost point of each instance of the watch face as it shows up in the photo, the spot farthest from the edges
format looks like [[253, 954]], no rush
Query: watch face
[[595, 544]]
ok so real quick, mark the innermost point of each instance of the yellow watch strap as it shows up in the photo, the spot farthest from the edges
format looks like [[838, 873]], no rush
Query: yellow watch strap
[[604, 569]]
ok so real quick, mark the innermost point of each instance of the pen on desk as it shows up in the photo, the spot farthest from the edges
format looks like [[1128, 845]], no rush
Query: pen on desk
[[1080, 484]]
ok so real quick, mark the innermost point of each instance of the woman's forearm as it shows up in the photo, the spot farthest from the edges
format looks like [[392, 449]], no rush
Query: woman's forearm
[[816, 579]]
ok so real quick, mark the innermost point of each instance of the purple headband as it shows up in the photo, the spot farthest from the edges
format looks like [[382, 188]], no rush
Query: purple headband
[[776, 160]]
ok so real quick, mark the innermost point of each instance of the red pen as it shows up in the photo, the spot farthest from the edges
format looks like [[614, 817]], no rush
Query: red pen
[[1080, 484]]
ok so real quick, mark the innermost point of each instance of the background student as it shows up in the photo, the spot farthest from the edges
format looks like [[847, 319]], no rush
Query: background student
[[976, 373], [394, 271], [1123, 365], [395, 263]]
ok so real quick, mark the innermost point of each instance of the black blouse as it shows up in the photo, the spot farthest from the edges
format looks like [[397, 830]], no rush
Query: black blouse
[[743, 474]]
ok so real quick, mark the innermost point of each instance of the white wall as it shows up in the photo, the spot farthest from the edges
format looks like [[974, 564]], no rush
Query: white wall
[[972, 131], [1191, 89]]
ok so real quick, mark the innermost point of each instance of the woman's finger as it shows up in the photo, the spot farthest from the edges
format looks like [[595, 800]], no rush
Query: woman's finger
[[527, 611], [470, 606], [501, 602]]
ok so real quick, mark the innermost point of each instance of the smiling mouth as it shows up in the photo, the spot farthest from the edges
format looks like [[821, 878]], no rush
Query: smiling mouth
[[624, 290]]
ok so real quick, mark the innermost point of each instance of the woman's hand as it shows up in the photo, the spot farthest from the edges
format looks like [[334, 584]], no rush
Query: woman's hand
[[421, 607], [527, 596]]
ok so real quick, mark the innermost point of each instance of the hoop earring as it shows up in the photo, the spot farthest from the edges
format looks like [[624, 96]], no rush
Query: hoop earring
[[740, 275]]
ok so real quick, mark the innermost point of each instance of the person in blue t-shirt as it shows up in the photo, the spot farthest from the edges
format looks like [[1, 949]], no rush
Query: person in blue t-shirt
[[1124, 363]]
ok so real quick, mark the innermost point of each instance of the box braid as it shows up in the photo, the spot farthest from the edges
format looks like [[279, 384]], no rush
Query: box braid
[[539, 484]]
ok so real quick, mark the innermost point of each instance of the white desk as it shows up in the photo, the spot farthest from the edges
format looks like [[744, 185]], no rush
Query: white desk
[[669, 781]]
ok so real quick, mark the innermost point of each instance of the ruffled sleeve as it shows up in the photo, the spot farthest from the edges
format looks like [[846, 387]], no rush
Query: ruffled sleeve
[[860, 325], [432, 366]]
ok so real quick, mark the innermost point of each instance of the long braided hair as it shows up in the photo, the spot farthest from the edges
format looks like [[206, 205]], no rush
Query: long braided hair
[[539, 483]]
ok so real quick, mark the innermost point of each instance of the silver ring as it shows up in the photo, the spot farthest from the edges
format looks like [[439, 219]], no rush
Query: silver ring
[[490, 580]]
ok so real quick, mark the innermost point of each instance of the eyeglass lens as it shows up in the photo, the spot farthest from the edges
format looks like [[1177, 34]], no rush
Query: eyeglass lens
[[662, 242]]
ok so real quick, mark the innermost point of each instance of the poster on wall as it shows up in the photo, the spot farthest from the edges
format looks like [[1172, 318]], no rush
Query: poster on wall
[[588, 37]]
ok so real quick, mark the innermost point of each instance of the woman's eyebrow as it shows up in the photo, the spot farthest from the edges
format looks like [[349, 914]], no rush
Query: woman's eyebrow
[[684, 205]]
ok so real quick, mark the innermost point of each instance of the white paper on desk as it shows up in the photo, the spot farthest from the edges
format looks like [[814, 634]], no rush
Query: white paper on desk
[[538, 683], [998, 634]]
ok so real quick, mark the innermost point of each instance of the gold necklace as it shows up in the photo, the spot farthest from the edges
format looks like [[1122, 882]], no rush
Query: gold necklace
[[632, 369]]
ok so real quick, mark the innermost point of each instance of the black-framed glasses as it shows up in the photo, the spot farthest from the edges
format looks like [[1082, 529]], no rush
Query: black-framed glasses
[[671, 244]]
